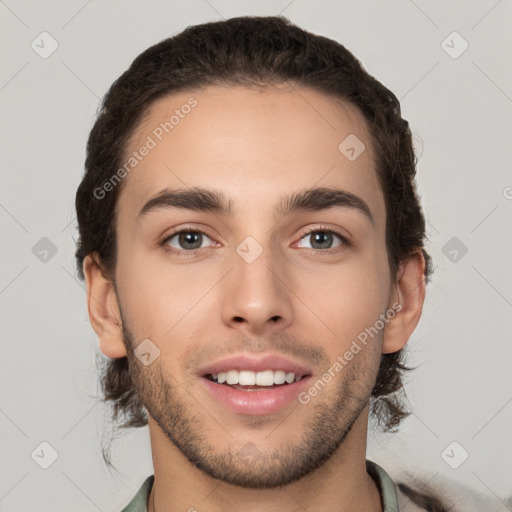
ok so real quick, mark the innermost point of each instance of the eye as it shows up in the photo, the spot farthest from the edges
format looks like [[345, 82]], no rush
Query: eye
[[322, 239], [187, 240]]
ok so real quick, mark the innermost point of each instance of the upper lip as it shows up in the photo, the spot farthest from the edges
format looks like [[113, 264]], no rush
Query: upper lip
[[256, 364]]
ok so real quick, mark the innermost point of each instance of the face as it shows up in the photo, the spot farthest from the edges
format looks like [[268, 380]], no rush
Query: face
[[282, 266]]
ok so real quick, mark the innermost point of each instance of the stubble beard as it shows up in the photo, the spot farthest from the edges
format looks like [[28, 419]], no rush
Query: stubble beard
[[184, 422]]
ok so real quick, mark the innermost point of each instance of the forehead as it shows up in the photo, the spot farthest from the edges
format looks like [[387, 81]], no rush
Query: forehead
[[254, 145]]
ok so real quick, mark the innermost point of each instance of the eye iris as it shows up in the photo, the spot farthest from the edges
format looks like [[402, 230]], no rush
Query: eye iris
[[323, 238], [188, 238]]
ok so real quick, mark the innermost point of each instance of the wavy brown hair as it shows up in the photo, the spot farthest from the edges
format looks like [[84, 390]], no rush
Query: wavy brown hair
[[254, 52]]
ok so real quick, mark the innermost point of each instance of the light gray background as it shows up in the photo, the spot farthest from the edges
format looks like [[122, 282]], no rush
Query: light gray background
[[460, 112]]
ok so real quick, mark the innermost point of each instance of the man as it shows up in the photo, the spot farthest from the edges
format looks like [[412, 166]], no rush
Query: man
[[253, 250]]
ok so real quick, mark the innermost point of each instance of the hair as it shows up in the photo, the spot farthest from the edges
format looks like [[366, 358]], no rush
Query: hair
[[254, 52]]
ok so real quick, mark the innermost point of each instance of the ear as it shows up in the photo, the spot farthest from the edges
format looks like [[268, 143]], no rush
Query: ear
[[409, 292], [104, 313]]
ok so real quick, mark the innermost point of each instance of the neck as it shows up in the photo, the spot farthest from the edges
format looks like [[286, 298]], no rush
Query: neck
[[340, 485]]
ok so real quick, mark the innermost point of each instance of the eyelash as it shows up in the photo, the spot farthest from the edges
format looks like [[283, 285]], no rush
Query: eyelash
[[322, 229]]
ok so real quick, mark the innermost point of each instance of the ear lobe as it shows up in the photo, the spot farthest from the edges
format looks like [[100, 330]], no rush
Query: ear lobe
[[104, 313], [410, 290]]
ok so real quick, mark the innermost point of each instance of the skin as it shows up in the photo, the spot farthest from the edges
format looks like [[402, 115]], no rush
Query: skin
[[296, 298]]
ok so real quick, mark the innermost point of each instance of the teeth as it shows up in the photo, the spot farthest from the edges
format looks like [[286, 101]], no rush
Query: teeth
[[232, 377], [279, 377], [249, 378], [246, 378], [265, 378]]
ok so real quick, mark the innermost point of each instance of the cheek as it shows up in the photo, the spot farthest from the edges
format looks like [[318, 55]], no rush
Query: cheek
[[348, 298], [154, 295]]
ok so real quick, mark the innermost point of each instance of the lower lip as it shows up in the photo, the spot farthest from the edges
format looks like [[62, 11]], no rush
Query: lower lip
[[257, 402]]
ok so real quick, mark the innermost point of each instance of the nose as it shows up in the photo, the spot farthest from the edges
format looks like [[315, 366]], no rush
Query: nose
[[257, 296]]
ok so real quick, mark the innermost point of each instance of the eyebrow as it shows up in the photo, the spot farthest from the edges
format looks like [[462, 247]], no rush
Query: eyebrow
[[202, 199]]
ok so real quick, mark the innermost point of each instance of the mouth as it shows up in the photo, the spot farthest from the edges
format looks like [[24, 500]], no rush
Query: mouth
[[247, 380], [248, 386]]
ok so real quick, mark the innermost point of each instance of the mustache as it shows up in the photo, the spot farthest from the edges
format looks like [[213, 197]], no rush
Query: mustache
[[277, 342]]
